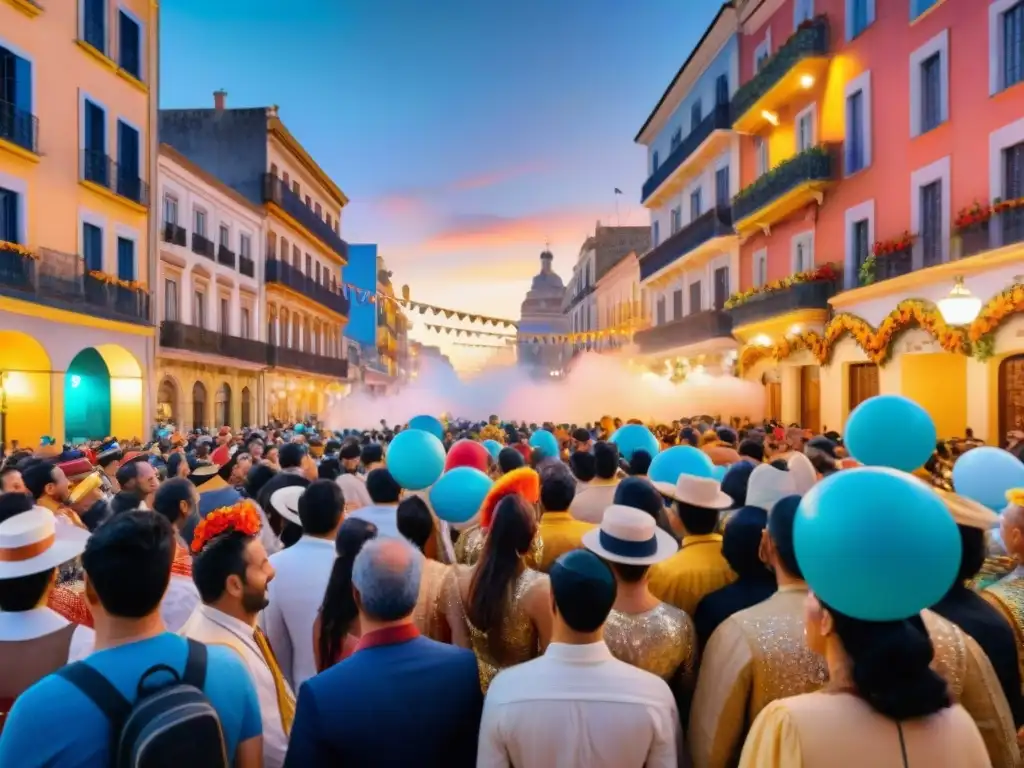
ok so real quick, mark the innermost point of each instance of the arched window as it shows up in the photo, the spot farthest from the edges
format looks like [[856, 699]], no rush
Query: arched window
[[198, 405]]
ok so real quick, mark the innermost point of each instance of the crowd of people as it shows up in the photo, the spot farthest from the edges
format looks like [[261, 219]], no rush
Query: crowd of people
[[276, 597]]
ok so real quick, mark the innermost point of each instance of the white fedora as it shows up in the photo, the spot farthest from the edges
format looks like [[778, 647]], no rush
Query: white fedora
[[32, 542], [285, 502], [629, 536], [703, 492]]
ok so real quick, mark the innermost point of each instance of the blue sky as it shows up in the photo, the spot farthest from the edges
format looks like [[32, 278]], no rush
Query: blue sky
[[465, 133]]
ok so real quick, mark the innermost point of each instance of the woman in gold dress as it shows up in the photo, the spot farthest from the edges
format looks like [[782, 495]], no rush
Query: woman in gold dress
[[501, 607]]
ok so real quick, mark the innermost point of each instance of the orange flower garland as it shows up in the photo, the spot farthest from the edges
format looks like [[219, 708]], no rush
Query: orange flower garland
[[998, 309], [241, 518]]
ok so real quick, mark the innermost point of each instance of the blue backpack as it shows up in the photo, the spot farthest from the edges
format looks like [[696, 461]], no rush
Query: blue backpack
[[169, 725]]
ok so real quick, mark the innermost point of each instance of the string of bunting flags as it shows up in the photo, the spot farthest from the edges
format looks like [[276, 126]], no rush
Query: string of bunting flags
[[449, 330], [364, 296]]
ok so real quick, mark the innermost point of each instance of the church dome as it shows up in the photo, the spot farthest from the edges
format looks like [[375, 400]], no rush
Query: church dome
[[546, 281]]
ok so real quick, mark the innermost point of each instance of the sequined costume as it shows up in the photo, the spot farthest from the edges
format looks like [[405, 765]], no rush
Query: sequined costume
[[470, 545], [428, 616], [1007, 595]]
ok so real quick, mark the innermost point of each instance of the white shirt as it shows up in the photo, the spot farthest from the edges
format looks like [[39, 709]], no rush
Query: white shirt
[[296, 593], [577, 706], [353, 488], [39, 622], [180, 599], [385, 518]]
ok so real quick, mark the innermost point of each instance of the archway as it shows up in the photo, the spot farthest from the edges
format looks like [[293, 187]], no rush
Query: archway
[[222, 406], [24, 390], [1011, 395], [87, 398], [246, 408], [198, 405], [167, 399]]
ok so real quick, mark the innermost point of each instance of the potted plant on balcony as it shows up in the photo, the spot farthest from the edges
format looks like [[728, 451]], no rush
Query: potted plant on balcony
[[891, 256], [971, 226], [825, 273]]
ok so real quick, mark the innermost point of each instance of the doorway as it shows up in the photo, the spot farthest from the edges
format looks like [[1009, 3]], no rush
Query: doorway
[[810, 398]]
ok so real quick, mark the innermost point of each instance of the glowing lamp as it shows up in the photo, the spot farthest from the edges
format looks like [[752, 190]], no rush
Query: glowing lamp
[[761, 340], [806, 81], [771, 117], [960, 307]]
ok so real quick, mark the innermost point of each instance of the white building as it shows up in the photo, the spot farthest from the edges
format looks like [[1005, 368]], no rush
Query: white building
[[619, 307], [210, 299], [693, 160]]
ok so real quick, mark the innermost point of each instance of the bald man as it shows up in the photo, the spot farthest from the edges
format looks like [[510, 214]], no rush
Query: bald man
[[1007, 594]]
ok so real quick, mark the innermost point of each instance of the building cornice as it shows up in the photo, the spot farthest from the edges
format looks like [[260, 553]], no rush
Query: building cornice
[[277, 129]]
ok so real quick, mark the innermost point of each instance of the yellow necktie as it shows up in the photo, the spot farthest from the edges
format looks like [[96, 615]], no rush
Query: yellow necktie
[[285, 700]]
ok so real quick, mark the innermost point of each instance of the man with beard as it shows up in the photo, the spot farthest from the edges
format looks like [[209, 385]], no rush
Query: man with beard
[[231, 570], [353, 484]]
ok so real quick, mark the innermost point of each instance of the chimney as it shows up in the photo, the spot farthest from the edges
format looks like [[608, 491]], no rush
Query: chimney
[[218, 99]]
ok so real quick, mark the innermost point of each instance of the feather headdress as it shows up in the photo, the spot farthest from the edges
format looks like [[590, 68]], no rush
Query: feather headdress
[[524, 481]]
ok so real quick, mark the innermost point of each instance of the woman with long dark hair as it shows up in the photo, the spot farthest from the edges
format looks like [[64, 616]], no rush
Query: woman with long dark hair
[[336, 629], [505, 604], [884, 705]]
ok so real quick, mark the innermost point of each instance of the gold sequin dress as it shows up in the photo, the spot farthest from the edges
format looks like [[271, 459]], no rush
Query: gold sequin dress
[[520, 640], [661, 641], [470, 545]]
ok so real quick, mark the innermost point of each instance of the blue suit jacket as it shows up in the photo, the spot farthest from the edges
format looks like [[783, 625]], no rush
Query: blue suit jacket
[[414, 703]]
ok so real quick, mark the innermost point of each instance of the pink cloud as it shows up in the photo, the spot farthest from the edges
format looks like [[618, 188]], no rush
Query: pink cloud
[[477, 232]]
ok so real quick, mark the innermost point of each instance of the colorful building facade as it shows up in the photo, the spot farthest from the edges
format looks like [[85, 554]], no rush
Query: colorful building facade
[[692, 266], [78, 98], [619, 308], [212, 342], [882, 160]]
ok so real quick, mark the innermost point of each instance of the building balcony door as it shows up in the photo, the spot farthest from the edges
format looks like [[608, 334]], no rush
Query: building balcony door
[[772, 395], [1011, 396], [863, 383], [810, 398]]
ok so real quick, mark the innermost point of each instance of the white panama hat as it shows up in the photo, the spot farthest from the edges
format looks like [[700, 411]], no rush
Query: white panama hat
[[703, 492], [629, 536], [32, 542], [285, 502]]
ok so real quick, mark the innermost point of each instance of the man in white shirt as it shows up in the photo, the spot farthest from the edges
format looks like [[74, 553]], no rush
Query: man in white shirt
[[577, 706], [302, 572], [352, 484], [385, 493]]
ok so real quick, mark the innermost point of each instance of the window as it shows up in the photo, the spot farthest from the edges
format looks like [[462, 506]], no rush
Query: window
[[130, 45], [1012, 220], [245, 246], [94, 23], [917, 7], [329, 220], [803, 10], [128, 162], [695, 300], [855, 160], [677, 139], [225, 236], [284, 179], [16, 99], [295, 188], [695, 115], [225, 316], [721, 283], [296, 257], [10, 216], [695, 204], [199, 222], [92, 247], [309, 265], [655, 239], [170, 300], [722, 90], [170, 209], [318, 210], [860, 14], [677, 219], [803, 252], [1006, 43], [659, 311], [677, 304], [199, 309], [318, 272], [125, 259], [245, 323], [309, 203], [761, 54], [722, 187], [94, 127], [760, 268], [860, 243], [929, 84], [805, 129], [761, 153], [654, 161], [931, 99], [931, 223]]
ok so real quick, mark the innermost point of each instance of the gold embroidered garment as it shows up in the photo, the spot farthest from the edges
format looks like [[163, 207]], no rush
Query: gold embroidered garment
[[428, 616], [470, 545]]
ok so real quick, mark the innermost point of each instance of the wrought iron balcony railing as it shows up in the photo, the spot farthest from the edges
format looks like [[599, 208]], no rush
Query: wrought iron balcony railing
[[174, 234], [225, 257], [246, 266], [284, 273], [716, 222], [307, 361], [19, 127], [813, 295], [277, 192], [175, 335], [691, 329], [202, 246], [718, 120], [101, 169], [814, 164]]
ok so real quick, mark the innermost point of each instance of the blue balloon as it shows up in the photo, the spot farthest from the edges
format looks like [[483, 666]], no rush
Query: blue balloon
[[635, 437], [876, 544], [299, 428], [890, 431], [458, 495], [415, 459], [493, 447], [680, 460], [546, 443], [985, 474], [430, 424], [718, 472], [165, 432]]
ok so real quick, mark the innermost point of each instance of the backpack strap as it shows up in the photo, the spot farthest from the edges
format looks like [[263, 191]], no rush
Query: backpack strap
[[100, 691], [195, 665]]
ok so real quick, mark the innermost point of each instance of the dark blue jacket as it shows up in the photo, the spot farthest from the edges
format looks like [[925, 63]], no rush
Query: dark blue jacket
[[412, 703]]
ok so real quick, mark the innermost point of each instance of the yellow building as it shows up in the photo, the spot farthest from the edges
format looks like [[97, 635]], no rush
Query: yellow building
[[78, 95], [306, 310], [387, 321]]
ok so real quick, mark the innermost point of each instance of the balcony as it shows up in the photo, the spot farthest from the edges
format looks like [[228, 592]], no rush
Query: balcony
[[579, 296], [785, 189], [1003, 229], [283, 273], [19, 131], [704, 142], [60, 280], [225, 257], [800, 296], [797, 66], [174, 234], [692, 329], [275, 191], [282, 357], [702, 234], [202, 246], [174, 335], [247, 266], [103, 174]]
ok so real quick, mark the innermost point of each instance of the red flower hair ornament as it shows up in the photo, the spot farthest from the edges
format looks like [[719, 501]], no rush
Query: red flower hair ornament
[[241, 517], [524, 481]]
